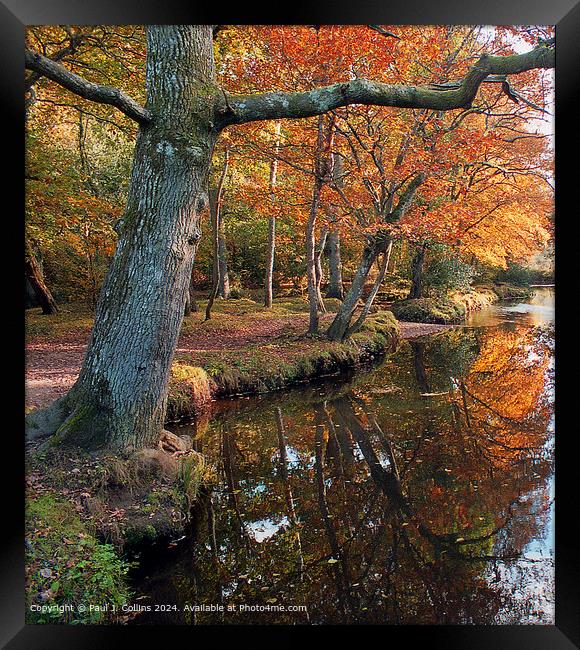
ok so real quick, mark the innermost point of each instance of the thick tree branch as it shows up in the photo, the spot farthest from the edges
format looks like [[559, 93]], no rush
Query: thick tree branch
[[74, 41], [279, 105], [95, 92]]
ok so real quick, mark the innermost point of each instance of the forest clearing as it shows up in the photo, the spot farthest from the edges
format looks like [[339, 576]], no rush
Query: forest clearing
[[289, 324]]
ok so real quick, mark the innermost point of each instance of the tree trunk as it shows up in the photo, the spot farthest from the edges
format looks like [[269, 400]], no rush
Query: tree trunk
[[373, 293], [335, 286], [417, 263], [35, 278], [339, 327], [318, 268], [323, 165], [268, 281], [215, 208], [381, 242], [119, 399], [224, 279], [313, 293]]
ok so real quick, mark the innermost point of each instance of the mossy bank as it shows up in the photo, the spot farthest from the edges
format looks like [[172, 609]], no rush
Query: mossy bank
[[89, 516], [273, 365], [454, 307]]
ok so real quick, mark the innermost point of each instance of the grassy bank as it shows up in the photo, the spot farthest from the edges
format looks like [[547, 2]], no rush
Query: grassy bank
[[286, 360], [66, 565]]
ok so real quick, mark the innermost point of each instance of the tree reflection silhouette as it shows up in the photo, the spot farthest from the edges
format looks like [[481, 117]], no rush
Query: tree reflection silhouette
[[408, 496]]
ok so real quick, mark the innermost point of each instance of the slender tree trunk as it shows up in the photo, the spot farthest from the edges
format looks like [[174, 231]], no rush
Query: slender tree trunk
[[323, 165], [311, 258], [222, 251], [224, 279], [35, 278], [339, 327], [215, 206], [335, 286], [381, 242], [373, 293], [417, 264], [119, 399], [269, 279], [318, 268]]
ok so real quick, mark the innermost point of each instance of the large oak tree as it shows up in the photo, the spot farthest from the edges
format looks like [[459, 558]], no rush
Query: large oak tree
[[119, 399]]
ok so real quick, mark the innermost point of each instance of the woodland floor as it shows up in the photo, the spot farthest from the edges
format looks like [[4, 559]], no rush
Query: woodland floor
[[55, 345]]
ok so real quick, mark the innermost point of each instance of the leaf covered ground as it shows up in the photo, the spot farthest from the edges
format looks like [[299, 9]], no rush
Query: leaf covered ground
[[238, 331]]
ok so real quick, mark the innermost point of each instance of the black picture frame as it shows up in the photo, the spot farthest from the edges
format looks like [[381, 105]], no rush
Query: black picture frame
[[15, 15]]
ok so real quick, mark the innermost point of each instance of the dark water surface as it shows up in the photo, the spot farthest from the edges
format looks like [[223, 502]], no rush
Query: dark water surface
[[418, 492]]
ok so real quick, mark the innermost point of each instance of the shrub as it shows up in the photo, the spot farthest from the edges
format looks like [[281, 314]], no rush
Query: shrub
[[515, 274], [446, 272]]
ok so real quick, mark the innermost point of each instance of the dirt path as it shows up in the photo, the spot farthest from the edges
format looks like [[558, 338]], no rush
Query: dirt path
[[52, 366]]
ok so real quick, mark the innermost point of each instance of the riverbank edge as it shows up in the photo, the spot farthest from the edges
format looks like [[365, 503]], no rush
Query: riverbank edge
[[116, 507], [192, 387], [454, 308], [94, 505]]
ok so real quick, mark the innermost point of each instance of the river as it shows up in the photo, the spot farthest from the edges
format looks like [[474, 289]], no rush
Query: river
[[417, 492]]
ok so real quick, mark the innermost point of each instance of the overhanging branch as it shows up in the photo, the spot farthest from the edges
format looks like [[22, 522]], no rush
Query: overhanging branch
[[279, 105], [87, 89]]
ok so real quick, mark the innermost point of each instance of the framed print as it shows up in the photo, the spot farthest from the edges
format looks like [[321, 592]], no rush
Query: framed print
[[292, 351]]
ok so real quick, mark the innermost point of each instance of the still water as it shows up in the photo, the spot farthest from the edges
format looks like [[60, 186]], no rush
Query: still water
[[420, 491]]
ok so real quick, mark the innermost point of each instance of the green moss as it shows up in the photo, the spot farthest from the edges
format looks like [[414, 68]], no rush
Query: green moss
[[66, 566], [137, 536], [261, 368], [429, 310]]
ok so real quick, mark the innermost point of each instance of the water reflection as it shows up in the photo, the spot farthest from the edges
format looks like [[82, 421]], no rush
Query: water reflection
[[418, 493], [535, 311]]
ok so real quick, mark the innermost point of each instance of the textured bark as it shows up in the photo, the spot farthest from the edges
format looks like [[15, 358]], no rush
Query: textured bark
[[119, 399], [277, 105], [339, 327], [224, 278], [313, 293], [35, 278], [271, 250], [101, 94], [323, 167], [417, 264], [335, 286]]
